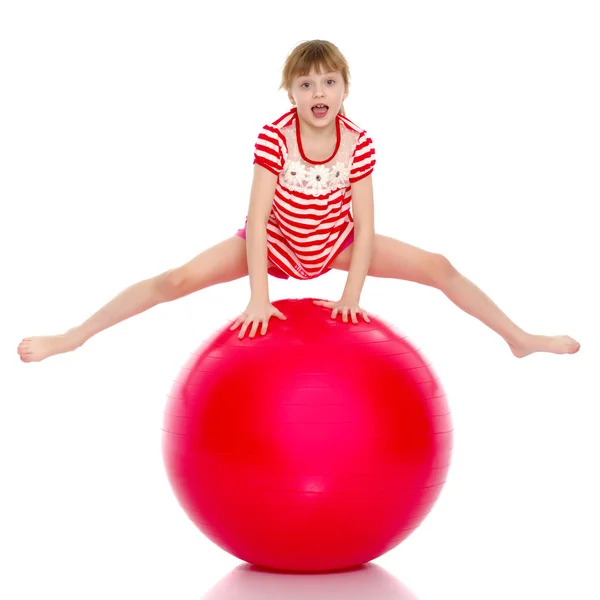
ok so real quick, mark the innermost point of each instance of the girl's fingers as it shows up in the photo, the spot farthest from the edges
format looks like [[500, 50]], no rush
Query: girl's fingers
[[247, 322], [325, 303], [251, 325], [354, 314], [243, 329], [255, 325]]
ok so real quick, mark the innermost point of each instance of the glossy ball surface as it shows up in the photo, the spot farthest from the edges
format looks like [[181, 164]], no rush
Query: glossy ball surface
[[317, 447]]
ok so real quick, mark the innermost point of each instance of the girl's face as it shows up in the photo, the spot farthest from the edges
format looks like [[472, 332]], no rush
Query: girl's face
[[318, 96]]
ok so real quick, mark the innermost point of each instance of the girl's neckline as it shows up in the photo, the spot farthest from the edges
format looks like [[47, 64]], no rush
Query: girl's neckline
[[301, 148]]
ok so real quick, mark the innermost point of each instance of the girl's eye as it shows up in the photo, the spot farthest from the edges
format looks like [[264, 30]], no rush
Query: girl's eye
[[305, 84], [331, 81]]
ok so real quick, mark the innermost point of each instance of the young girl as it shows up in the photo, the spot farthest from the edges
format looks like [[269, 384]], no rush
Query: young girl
[[311, 166]]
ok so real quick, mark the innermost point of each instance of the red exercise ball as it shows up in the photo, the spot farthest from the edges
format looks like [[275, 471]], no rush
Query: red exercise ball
[[316, 447]]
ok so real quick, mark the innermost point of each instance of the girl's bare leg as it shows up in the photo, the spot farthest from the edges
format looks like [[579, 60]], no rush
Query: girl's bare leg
[[399, 260], [223, 262]]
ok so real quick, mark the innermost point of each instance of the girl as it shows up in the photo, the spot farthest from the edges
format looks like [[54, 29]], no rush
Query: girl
[[310, 166]]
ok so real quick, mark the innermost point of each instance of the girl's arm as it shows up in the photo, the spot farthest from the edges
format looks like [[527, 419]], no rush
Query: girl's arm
[[364, 236], [261, 201]]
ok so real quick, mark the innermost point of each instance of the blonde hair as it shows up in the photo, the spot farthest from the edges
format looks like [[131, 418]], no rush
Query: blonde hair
[[320, 54]]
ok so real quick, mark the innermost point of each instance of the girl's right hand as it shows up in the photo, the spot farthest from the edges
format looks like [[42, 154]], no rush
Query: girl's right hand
[[257, 312]]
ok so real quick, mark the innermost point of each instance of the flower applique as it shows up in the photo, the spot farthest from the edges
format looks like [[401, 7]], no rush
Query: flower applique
[[295, 174], [318, 178], [340, 175], [314, 180]]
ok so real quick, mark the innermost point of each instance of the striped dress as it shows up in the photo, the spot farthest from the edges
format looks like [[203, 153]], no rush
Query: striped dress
[[311, 214]]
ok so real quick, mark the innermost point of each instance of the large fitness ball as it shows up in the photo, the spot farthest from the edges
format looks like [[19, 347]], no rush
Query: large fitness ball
[[317, 447]]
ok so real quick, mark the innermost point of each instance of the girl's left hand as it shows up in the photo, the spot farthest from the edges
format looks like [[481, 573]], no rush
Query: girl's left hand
[[344, 306]]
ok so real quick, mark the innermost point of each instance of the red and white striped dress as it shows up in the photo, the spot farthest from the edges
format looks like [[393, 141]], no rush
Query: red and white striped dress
[[311, 215]]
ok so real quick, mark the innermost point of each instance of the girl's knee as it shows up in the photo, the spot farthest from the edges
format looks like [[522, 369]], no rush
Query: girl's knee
[[440, 269], [171, 284]]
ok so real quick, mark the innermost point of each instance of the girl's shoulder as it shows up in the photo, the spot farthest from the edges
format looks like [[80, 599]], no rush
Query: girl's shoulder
[[351, 125], [285, 120]]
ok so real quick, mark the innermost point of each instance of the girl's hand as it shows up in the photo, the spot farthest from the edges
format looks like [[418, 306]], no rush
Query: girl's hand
[[257, 312], [344, 306]]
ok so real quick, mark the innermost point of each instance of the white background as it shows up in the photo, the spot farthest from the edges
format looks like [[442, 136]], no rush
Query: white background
[[127, 133]]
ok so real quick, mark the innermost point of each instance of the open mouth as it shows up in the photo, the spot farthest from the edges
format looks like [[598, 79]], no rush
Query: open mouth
[[320, 110]]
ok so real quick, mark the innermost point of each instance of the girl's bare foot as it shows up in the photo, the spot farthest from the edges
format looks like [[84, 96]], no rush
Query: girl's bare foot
[[556, 344], [35, 349]]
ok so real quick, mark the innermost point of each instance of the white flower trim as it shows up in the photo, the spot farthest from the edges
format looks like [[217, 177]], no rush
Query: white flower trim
[[314, 180]]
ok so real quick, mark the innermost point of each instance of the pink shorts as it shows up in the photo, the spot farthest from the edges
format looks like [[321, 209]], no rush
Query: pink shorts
[[276, 271]]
